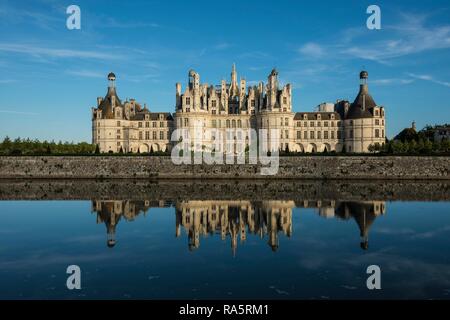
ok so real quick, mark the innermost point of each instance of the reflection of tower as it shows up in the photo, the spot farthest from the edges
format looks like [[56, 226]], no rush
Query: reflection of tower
[[110, 212], [364, 214], [106, 213], [273, 229]]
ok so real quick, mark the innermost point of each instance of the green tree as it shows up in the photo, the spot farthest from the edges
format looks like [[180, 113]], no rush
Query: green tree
[[445, 145], [398, 147], [427, 147]]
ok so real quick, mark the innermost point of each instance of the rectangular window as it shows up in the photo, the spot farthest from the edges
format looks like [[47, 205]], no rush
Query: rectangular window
[[140, 135], [140, 124], [188, 101], [214, 123], [154, 124], [286, 134], [147, 124], [311, 134], [351, 133], [311, 124], [299, 135], [377, 133], [319, 135], [284, 100], [161, 135], [161, 124], [253, 103], [305, 135], [339, 135], [154, 135], [118, 123], [332, 134], [377, 122], [325, 124], [147, 135], [286, 122], [325, 134], [213, 103]]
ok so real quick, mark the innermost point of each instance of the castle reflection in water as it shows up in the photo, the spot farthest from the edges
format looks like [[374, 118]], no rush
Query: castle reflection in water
[[237, 218]]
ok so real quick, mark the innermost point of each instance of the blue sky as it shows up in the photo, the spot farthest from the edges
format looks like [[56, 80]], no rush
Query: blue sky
[[50, 76]]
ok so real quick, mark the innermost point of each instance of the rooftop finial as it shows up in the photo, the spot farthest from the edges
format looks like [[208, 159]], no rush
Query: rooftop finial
[[111, 80]]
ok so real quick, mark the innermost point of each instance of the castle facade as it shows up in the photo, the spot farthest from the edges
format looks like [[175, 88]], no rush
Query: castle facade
[[230, 110]]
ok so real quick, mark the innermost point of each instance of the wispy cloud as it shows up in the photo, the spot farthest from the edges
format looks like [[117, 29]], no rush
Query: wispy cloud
[[254, 55], [43, 20], [222, 46], [426, 77], [110, 22], [19, 112], [391, 81], [410, 36], [5, 81], [312, 50], [86, 73], [33, 50]]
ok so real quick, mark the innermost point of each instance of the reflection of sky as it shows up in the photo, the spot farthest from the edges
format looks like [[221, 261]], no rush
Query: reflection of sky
[[322, 259]]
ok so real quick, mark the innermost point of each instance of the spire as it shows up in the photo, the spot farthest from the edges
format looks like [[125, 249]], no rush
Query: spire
[[233, 74]]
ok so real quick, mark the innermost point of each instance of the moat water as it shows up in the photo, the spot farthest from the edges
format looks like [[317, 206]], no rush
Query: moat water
[[296, 246]]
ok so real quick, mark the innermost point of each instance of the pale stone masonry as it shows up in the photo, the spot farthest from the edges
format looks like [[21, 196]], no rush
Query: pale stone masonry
[[230, 110]]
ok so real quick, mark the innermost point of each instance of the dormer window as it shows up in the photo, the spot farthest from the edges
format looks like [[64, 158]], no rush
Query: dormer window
[[284, 100], [213, 103], [188, 101]]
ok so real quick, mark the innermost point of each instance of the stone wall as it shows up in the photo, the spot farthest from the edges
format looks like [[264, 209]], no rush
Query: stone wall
[[258, 190], [303, 167]]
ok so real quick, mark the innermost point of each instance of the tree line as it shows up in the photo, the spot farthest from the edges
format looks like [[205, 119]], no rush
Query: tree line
[[35, 147], [412, 147]]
